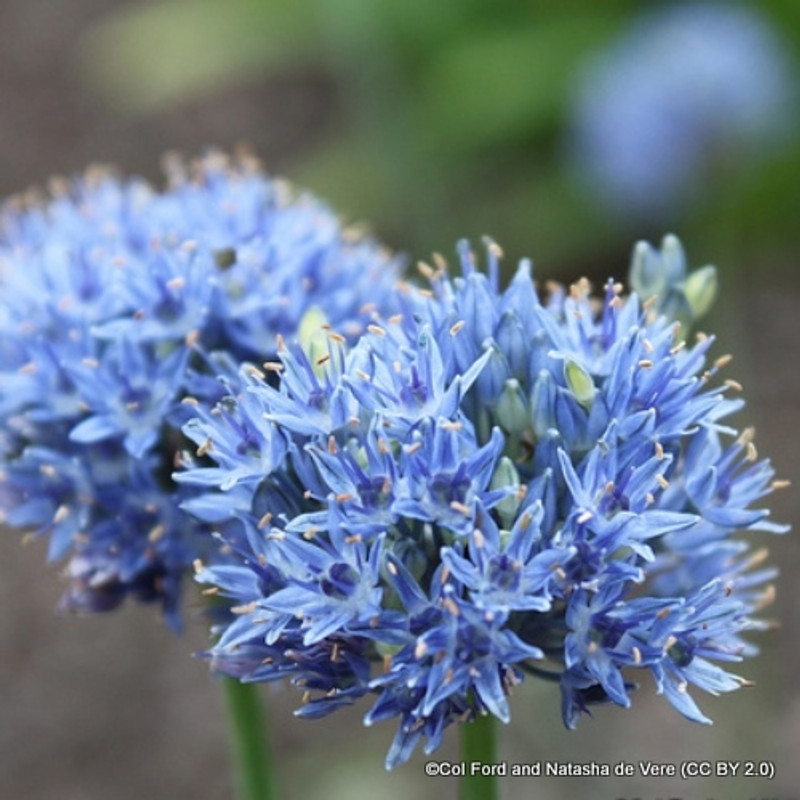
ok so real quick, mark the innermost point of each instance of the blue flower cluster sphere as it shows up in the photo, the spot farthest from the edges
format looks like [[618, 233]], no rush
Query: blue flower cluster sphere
[[489, 483], [693, 88], [119, 306]]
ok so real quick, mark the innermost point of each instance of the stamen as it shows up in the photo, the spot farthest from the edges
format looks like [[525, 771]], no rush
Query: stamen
[[426, 270], [451, 606], [723, 361], [265, 520], [457, 327], [157, 533]]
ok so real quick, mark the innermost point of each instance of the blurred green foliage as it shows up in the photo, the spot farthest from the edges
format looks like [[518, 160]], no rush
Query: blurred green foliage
[[451, 116]]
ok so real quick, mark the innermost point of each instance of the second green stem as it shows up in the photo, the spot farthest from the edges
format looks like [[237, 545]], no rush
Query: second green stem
[[255, 777], [479, 745]]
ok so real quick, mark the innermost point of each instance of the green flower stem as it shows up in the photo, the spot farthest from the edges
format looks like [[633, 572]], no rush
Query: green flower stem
[[249, 742], [479, 744]]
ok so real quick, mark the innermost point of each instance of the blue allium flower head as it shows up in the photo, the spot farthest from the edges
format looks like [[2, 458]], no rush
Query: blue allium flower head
[[488, 484], [120, 306], [689, 90]]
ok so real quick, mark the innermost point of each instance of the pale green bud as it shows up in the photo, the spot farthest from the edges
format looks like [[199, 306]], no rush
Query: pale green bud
[[506, 476], [655, 272], [701, 290], [511, 409], [647, 276], [313, 338], [674, 257], [580, 383]]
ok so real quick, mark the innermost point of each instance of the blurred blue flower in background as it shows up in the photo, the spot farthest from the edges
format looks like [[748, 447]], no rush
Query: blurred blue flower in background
[[119, 307], [488, 484], [690, 90]]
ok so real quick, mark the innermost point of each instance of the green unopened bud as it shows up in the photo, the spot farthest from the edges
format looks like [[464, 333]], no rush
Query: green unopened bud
[[312, 337], [656, 272], [673, 257], [647, 276], [511, 410], [701, 290], [580, 383], [507, 477], [360, 456]]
